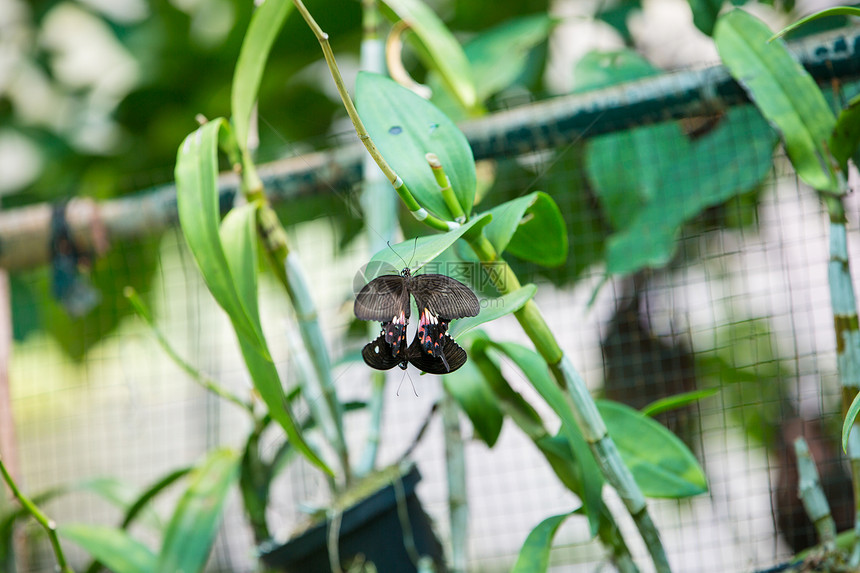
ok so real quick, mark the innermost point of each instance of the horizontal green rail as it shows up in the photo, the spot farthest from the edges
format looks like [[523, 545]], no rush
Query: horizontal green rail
[[830, 56]]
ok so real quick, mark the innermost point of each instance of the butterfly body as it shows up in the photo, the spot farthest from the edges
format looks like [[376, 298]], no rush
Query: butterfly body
[[439, 298]]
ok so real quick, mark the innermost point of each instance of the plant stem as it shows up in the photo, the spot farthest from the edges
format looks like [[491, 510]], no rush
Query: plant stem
[[812, 496], [204, 380], [46, 522], [847, 329], [458, 507], [405, 194], [445, 187], [587, 416], [289, 272]]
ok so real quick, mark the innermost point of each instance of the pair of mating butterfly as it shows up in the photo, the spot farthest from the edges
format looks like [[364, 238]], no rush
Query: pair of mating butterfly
[[440, 299]]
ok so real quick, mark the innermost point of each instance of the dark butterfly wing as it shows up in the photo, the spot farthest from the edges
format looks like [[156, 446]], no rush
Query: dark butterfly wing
[[382, 299], [451, 356], [445, 297], [382, 355]]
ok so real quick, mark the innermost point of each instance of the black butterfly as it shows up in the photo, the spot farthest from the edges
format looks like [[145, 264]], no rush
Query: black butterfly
[[440, 299]]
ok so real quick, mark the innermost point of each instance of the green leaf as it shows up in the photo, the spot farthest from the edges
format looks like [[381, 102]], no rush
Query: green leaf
[[537, 372], [534, 555], [266, 22], [848, 423], [500, 56], [836, 11], [705, 14], [784, 92], [677, 401], [599, 69], [238, 233], [443, 52], [143, 499], [405, 127], [660, 462], [115, 548], [199, 217], [476, 399], [192, 528], [418, 252], [226, 255], [846, 134], [648, 198], [491, 309], [529, 227]]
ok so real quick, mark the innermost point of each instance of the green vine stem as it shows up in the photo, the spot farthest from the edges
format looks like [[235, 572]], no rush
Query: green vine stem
[[847, 328], [587, 416], [445, 188], [812, 496], [204, 380], [47, 523], [402, 189]]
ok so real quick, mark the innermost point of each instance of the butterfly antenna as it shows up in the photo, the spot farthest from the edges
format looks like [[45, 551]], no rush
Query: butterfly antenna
[[398, 254], [414, 247]]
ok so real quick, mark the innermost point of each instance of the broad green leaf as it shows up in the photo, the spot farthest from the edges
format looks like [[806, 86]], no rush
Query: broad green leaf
[[848, 423], [238, 234], [846, 134], [557, 451], [405, 128], [599, 69], [266, 22], [191, 531], [784, 92], [418, 252], [443, 52], [677, 401], [660, 462], [648, 197], [534, 555], [511, 402], [537, 372], [836, 11], [143, 499], [115, 548], [226, 255], [491, 309], [199, 217], [500, 56], [476, 399], [530, 227], [122, 495], [268, 384], [705, 14]]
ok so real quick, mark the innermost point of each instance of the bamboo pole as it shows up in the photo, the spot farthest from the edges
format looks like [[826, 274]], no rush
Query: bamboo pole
[[458, 498], [812, 496], [847, 329]]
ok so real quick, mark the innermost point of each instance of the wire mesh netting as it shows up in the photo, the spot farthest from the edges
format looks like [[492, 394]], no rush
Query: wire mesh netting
[[735, 300]]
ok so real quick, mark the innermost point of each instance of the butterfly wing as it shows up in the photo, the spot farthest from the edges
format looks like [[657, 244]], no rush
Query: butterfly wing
[[382, 355], [445, 297], [382, 298], [450, 356]]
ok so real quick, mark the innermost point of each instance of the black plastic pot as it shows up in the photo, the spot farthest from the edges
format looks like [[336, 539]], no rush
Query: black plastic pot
[[371, 528]]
